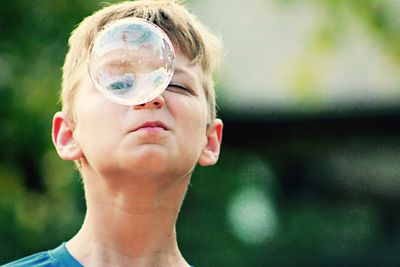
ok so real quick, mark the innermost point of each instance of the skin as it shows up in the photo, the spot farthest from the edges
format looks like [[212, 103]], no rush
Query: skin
[[135, 177]]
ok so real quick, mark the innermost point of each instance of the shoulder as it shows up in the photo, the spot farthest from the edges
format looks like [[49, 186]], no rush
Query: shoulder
[[58, 257], [42, 259]]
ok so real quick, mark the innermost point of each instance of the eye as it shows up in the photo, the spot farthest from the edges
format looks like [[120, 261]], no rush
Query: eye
[[179, 88], [120, 84]]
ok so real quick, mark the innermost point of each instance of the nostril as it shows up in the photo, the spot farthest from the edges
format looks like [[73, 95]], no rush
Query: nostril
[[139, 106], [157, 104]]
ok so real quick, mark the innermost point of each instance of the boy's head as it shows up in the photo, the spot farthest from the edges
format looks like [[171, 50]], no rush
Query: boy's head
[[187, 34]]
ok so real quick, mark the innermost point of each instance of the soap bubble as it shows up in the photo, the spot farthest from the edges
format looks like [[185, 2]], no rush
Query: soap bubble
[[131, 61]]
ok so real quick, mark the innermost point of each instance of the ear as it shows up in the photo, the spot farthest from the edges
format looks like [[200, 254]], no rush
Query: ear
[[210, 154], [63, 138]]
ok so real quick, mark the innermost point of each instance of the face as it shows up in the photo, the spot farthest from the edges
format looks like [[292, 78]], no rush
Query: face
[[162, 138]]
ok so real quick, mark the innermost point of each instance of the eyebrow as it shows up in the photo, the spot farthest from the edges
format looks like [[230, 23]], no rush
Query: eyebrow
[[180, 70], [191, 77]]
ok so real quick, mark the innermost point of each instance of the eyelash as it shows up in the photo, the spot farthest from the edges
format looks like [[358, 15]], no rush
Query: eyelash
[[179, 88]]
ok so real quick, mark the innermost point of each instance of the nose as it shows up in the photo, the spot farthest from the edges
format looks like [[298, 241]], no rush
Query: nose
[[156, 103]]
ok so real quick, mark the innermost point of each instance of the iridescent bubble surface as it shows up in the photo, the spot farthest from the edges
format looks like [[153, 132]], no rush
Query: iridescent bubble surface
[[131, 61]]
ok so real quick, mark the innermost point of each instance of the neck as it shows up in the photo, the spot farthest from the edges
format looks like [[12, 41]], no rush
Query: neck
[[131, 225]]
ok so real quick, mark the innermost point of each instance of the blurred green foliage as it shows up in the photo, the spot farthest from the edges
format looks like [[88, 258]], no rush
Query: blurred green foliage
[[41, 199], [306, 223], [379, 17]]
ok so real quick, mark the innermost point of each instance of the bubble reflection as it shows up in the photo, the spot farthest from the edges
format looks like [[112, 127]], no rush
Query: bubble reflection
[[131, 61]]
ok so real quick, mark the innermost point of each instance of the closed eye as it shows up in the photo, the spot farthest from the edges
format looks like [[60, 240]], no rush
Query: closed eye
[[180, 88]]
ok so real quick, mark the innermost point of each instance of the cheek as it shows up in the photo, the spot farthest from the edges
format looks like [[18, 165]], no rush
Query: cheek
[[96, 128], [190, 113], [191, 118]]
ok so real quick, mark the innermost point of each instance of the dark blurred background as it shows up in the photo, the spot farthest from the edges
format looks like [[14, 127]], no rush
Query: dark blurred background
[[309, 172]]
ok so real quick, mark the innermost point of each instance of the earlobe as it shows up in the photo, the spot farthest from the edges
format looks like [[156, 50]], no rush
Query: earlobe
[[210, 153], [63, 138]]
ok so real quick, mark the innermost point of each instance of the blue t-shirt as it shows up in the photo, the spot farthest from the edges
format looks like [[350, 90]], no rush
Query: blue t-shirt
[[58, 257]]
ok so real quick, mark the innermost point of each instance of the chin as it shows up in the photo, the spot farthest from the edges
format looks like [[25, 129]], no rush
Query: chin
[[145, 159]]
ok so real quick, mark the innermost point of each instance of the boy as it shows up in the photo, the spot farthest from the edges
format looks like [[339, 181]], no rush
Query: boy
[[135, 161]]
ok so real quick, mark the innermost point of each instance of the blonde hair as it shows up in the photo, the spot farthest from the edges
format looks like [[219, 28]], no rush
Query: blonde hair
[[183, 28]]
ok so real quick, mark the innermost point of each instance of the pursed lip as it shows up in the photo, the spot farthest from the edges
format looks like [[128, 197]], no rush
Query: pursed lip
[[152, 124]]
